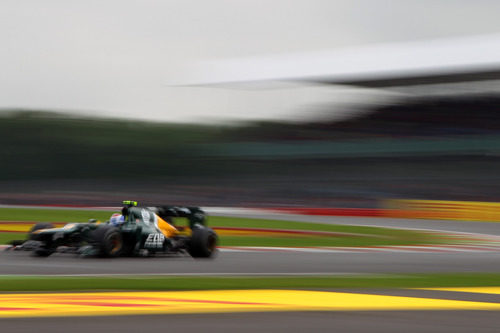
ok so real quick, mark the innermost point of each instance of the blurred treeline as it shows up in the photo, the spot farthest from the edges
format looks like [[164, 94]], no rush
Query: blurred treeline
[[440, 148], [49, 145]]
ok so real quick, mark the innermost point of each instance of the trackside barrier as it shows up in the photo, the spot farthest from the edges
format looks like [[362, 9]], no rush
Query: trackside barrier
[[443, 210], [413, 209]]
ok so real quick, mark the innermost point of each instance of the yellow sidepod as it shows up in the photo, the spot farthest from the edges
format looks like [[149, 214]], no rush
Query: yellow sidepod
[[166, 228]]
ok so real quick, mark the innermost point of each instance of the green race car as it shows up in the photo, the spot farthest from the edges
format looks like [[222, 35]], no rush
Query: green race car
[[136, 231]]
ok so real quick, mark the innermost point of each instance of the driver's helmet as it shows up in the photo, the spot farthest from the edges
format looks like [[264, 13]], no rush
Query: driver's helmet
[[116, 219]]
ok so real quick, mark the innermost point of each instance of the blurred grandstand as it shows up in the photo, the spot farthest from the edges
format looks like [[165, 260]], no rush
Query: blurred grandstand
[[441, 147]]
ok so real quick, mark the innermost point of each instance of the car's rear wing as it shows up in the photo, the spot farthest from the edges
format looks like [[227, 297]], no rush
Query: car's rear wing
[[195, 215]]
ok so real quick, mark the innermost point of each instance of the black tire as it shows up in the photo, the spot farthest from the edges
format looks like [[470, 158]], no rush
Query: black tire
[[203, 243], [38, 226], [43, 251], [108, 240], [129, 245]]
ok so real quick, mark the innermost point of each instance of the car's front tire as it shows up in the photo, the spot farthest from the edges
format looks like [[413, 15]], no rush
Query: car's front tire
[[108, 240], [36, 227], [45, 249]]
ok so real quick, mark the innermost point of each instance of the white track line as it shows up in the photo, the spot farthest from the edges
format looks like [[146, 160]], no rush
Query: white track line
[[387, 249]]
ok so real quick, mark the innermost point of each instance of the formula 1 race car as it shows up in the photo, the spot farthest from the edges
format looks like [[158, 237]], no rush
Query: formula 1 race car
[[136, 231]]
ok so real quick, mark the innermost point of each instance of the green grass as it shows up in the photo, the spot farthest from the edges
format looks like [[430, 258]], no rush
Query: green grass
[[44, 283], [6, 237], [220, 221], [51, 215], [354, 241], [351, 235], [355, 235]]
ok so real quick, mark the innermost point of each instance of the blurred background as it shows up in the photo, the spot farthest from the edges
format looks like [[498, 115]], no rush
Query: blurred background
[[249, 103]]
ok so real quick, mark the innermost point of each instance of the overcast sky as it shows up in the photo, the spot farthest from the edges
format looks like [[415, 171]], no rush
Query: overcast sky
[[119, 57]]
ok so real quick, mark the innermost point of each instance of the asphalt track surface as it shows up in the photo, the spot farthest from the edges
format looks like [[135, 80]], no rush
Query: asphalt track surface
[[258, 263], [277, 263], [373, 322]]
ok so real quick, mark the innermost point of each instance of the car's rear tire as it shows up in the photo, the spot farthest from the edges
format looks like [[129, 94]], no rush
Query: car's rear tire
[[203, 243], [108, 240]]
